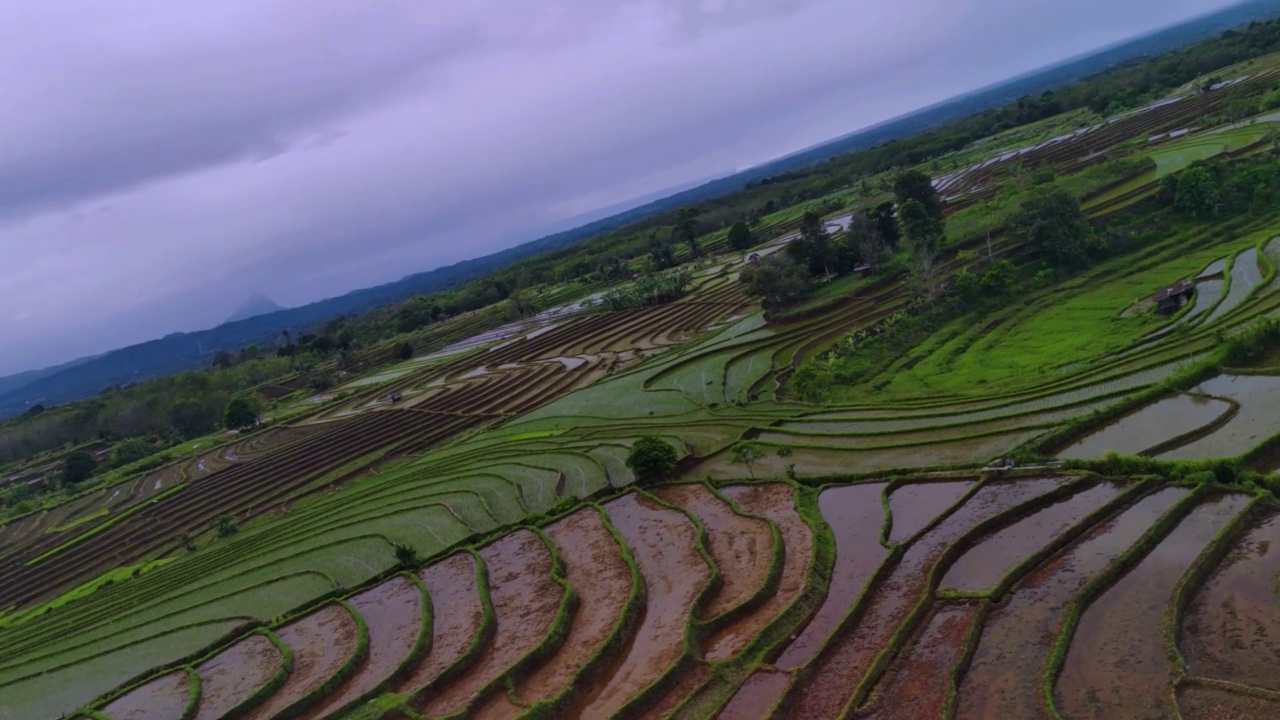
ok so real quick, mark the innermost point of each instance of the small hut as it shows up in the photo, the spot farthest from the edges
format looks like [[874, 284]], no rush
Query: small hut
[[1171, 299]]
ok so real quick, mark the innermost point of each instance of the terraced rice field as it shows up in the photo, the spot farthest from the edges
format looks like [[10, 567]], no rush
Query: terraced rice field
[[477, 548], [1107, 593]]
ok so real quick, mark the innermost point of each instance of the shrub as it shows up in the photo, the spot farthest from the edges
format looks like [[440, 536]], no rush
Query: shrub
[[747, 453], [225, 526], [652, 459], [406, 555], [404, 351], [130, 451]]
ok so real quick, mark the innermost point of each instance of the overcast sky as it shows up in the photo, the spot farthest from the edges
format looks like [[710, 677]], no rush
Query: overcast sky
[[163, 159]]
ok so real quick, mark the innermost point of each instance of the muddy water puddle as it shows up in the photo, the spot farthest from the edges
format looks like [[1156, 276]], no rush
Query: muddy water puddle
[[1149, 426], [456, 614], [741, 547], [322, 643], [164, 698], [856, 516], [1231, 627], [983, 566], [757, 696], [1000, 682], [918, 687], [1117, 665], [776, 502], [664, 544], [525, 600], [602, 580], [842, 667], [235, 674], [913, 507], [392, 613], [1258, 396]]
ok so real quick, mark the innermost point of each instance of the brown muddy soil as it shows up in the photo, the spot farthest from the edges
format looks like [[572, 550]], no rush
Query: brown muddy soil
[[675, 692], [983, 566], [322, 643], [757, 696], [742, 547], [164, 698], [392, 613], [915, 506], [525, 599], [1118, 665], [921, 681], [602, 579], [837, 673], [776, 502], [457, 614], [855, 514], [1231, 627], [663, 542], [235, 674], [1206, 703], [1005, 676]]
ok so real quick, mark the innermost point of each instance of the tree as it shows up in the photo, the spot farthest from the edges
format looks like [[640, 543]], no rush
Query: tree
[[1199, 191], [404, 351], [739, 236], [747, 453], [223, 360], [915, 185], [885, 217], [78, 467], [776, 280], [866, 241], [923, 231], [652, 459], [1052, 223], [240, 414], [662, 256], [686, 226], [191, 416]]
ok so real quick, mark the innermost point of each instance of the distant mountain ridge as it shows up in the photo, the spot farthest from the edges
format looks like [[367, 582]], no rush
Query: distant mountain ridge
[[257, 304], [186, 351]]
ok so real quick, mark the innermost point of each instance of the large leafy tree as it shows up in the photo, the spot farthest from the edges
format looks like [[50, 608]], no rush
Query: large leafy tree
[[739, 236], [1199, 191], [78, 467], [777, 281], [1052, 223], [924, 231], [240, 413], [915, 185]]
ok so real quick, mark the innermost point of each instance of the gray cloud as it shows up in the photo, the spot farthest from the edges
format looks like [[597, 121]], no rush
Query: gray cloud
[[162, 160]]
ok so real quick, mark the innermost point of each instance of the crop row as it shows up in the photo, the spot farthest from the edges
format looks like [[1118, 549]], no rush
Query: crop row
[[899, 599]]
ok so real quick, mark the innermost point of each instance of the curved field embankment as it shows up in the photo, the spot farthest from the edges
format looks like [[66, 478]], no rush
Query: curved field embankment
[[1013, 587]]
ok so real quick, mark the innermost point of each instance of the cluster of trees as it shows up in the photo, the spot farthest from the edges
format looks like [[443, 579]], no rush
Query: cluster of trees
[[169, 409], [1207, 190], [649, 289], [912, 225]]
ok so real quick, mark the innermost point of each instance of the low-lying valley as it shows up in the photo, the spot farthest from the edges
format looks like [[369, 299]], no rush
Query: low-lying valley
[[1016, 461]]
